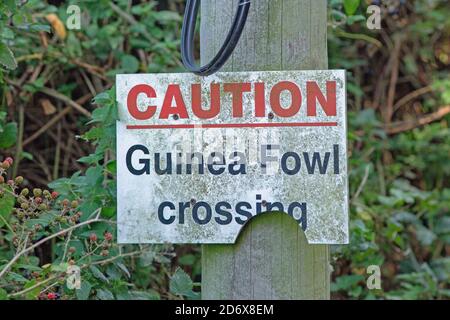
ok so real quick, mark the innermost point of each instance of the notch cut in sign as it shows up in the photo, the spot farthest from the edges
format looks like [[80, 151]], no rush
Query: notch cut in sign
[[174, 103]]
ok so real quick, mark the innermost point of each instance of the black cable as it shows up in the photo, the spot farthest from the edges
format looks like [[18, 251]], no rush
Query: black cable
[[187, 38]]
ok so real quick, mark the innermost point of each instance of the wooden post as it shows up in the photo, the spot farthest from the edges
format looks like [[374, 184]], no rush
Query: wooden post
[[271, 259]]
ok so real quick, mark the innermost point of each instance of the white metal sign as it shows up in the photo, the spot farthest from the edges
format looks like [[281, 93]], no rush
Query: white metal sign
[[197, 158]]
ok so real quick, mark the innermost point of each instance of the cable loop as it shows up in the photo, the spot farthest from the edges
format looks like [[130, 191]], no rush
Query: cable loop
[[232, 39]]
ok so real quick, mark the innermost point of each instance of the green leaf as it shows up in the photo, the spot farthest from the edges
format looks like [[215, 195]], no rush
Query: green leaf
[[124, 269], [2, 118], [443, 225], [165, 16], [26, 155], [104, 294], [180, 283], [10, 5], [357, 18], [112, 272], [62, 267], [34, 293], [39, 27], [28, 267], [350, 6], [143, 295], [7, 59], [112, 166], [129, 63], [187, 260], [104, 98], [9, 135], [425, 236], [3, 294], [6, 206], [441, 267], [84, 291], [93, 158], [146, 258], [98, 274], [346, 282], [108, 212], [100, 115], [12, 276]]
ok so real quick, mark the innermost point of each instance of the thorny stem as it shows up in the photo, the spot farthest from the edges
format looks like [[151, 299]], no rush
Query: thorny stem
[[39, 284], [69, 236], [37, 244], [22, 292]]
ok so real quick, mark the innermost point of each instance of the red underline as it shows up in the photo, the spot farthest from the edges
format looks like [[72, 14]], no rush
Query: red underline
[[232, 125]]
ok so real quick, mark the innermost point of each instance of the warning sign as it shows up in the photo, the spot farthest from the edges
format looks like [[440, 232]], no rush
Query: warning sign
[[197, 158]]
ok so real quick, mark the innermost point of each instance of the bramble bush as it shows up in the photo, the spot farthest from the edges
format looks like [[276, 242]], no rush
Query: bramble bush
[[42, 235]]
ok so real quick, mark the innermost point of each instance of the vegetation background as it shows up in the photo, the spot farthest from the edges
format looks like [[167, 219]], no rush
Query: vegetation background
[[57, 158]]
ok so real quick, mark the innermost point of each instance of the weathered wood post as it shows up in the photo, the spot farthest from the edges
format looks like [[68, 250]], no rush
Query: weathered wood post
[[271, 259]]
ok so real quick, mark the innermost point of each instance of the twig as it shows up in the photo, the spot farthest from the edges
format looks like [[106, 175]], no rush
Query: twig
[[20, 293], [33, 56], [88, 82], [359, 36], [48, 287], [94, 70], [39, 284], [6, 223], [88, 66], [123, 255], [55, 94], [393, 79], [55, 119], [408, 125], [57, 153], [43, 164], [412, 95], [37, 244], [362, 184], [66, 245]]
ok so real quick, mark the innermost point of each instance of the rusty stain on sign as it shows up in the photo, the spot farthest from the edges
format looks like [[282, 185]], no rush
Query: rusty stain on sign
[[198, 157]]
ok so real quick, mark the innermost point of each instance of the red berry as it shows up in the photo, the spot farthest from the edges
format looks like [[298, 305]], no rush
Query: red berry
[[38, 200], [51, 296], [10, 182], [2, 180], [10, 160], [55, 195], [93, 237], [108, 236]]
